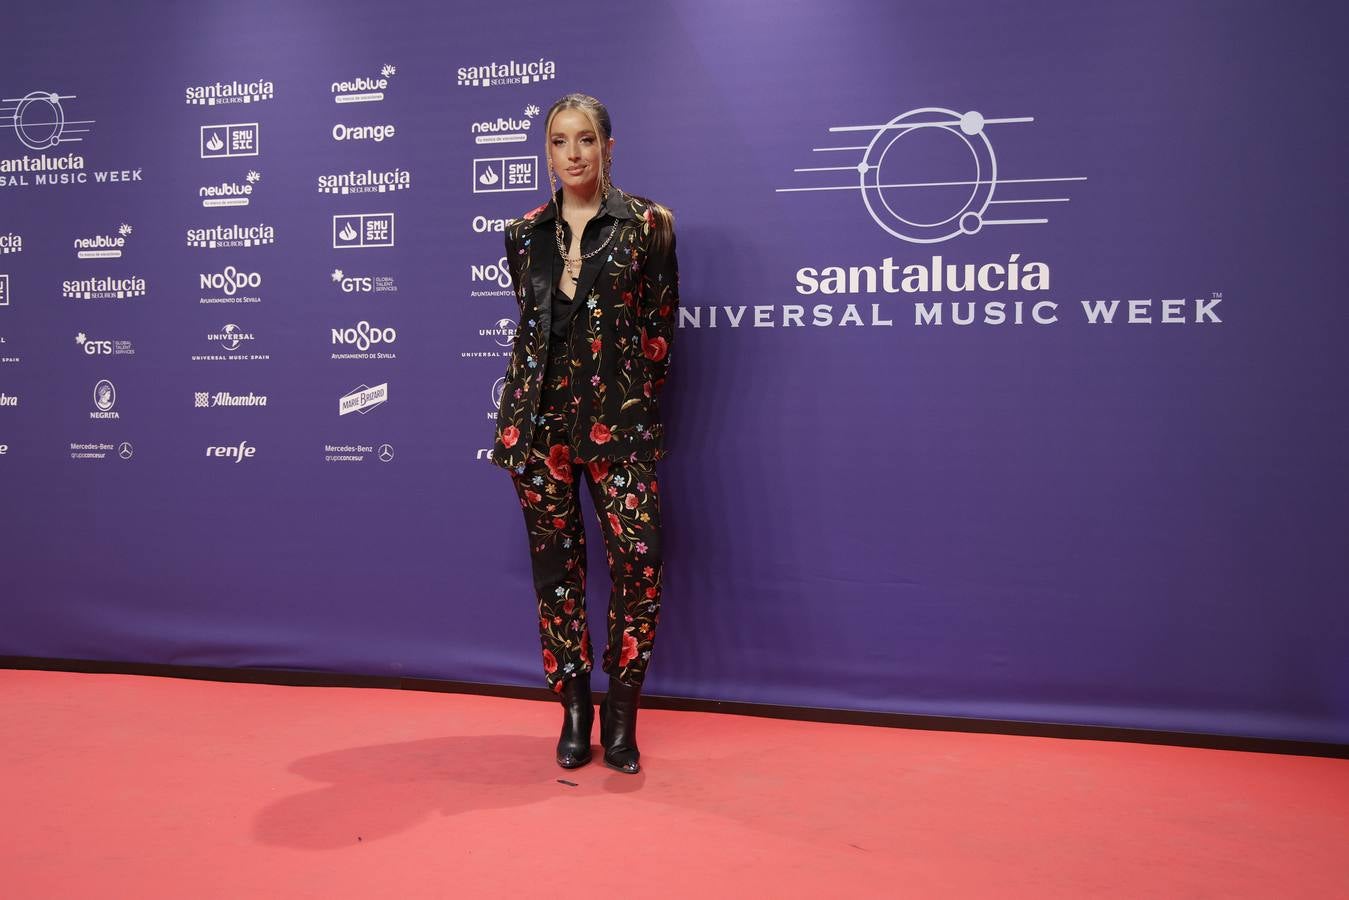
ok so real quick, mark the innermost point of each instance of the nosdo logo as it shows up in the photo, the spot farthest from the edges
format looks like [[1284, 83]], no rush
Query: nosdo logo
[[238, 454], [208, 400], [363, 89], [230, 281], [376, 133], [223, 92], [11, 243], [363, 284], [510, 72], [502, 130], [104, 288], [103, 246], [229, 193], [493, 273], [484, 225], [363, 336], [367, 182], [930, 175], [222, 236]]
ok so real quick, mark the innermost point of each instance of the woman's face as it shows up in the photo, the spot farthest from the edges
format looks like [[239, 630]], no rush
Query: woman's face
[[575, 149]]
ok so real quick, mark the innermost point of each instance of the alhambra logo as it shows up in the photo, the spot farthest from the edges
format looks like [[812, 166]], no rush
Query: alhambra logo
[[931, 174], [225, 92], [494, 74], [364, 89]]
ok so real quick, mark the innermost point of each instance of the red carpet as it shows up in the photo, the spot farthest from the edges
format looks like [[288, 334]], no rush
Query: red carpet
[[124, 786]]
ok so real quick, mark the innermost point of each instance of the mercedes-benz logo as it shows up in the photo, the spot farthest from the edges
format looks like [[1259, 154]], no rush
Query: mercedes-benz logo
[[385, 452], [125, 450]]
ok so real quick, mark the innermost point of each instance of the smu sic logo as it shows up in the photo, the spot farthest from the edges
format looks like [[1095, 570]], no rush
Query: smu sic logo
[[230, 281]]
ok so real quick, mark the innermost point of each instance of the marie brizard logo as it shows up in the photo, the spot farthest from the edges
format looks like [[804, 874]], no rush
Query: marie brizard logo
[[930, 174], [39, 120], [362, 398]]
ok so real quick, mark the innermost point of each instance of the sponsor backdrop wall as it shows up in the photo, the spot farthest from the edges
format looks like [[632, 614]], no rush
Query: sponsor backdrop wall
[[1007, 380]]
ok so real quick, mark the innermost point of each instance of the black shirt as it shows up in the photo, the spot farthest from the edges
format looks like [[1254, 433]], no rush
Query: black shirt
[[596, 232]]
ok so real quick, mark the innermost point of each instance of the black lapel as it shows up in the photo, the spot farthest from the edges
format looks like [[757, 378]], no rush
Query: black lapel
[[541, 278]]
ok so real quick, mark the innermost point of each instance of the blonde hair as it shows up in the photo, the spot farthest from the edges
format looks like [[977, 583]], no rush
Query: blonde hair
[[661, 220]]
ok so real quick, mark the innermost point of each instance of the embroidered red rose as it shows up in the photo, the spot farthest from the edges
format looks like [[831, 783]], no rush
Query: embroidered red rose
[[595, 345], [651, 593], [653, 487], [509, 435], [629, 652], [570, 606], [599, 433], [615, 524], [559, 462], [654, 348], [630, 501], [535, 211], [549, 662], [599, 468], [533, 496], [559, 522]]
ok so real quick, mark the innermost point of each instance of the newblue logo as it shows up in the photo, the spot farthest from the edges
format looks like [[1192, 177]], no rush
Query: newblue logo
[[364, 89]]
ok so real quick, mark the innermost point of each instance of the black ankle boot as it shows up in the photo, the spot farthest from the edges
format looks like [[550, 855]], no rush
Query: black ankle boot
[[578, 714], [618, 726]]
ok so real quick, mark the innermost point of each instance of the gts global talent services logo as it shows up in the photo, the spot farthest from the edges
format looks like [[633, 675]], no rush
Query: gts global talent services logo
[[103, 246], [930, 175], [96, 347], [230, 193], [364, 89], [225, 92], [495, 74], [363, 284]]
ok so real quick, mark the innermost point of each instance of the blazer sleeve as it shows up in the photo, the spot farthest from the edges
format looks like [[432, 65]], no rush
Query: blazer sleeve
[[658, 307]]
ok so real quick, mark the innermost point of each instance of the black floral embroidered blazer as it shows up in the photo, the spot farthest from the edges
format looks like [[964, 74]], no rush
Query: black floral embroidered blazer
[[619, 340]]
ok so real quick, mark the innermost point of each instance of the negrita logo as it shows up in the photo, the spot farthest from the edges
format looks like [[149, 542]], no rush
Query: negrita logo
[[225, 92], [364, 89]]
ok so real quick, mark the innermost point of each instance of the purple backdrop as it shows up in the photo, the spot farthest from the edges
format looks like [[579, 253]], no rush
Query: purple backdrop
[[1134, 523]]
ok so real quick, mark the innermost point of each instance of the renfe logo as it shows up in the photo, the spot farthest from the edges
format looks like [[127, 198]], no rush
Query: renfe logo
[[238, 454]]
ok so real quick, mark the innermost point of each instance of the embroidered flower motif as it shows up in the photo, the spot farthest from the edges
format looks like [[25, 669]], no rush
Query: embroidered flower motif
[[599, 433], [509, 435], [629, 651]]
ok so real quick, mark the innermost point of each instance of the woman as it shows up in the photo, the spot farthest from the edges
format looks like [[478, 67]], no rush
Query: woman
[[595, 275]]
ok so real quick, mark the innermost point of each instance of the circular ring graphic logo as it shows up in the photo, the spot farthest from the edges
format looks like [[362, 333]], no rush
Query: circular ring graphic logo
[[39, 120], [944, 153], [506, 327], [385, 452], [105, 395], [230, 343], [125, 450]]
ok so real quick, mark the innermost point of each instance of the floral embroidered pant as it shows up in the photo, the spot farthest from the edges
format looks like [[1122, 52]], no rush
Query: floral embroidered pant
[[628, 507]]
